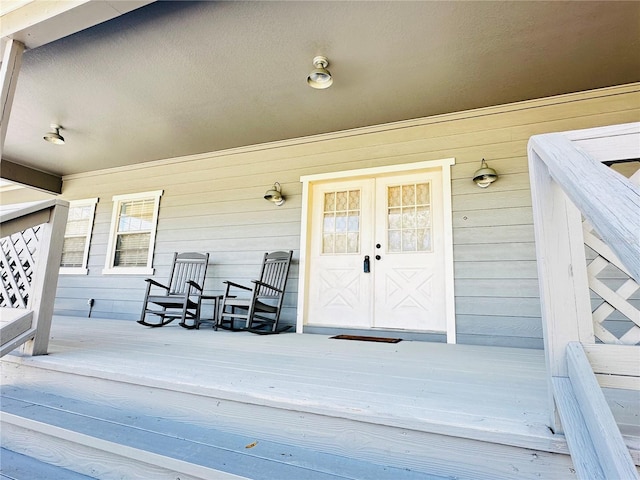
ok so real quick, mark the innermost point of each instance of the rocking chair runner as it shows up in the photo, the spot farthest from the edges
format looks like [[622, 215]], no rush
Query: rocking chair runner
[[181, 297], [261, 305]]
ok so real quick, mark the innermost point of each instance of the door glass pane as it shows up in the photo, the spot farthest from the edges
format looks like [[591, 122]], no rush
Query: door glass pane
[[409, 218], [341, 222]]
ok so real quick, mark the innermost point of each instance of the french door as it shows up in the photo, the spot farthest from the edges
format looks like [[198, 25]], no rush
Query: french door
[[376, 255]]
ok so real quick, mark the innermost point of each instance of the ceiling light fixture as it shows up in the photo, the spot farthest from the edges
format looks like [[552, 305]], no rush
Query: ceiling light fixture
[[274, 195], [485, 176], [320, 77], [54, 136]]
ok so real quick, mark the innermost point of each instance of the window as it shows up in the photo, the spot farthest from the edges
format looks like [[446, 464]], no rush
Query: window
[[133, 233], [77, 237]]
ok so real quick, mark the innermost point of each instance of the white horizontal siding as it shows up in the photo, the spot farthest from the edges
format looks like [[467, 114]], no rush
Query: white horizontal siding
[[214, 203]]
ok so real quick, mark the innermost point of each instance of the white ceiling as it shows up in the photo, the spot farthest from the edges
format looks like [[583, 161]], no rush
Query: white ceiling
[[179, 78]]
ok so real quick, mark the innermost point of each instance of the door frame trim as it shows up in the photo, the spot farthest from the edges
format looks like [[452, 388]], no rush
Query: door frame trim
[[305, 225]]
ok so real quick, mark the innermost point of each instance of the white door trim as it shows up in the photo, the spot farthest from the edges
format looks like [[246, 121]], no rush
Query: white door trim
[[308, 180]]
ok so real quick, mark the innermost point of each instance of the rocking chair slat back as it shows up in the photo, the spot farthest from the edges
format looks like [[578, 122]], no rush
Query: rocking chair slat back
[[275, 269], [187, 266]]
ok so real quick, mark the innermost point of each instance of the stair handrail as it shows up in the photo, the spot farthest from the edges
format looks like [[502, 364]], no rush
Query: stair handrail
[[569, 181], [51, 216]]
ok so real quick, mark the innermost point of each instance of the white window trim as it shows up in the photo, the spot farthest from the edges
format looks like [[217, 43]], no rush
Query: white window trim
[[84, 270], [109, 269]]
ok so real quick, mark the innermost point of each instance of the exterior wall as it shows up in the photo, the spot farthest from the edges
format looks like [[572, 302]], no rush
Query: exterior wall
[[213, 202]]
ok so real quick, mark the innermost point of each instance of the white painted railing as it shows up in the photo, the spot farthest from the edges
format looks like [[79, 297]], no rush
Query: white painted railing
[[31, 237], [569, 183]]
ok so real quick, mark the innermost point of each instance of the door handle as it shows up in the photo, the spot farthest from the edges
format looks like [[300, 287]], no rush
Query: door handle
[[367, 265]]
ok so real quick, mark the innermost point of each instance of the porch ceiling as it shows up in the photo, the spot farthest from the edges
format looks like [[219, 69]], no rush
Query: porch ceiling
[[178, 78]]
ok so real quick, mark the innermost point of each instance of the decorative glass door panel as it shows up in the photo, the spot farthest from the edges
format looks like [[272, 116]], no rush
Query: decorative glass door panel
[[409, 218], [341, 222]]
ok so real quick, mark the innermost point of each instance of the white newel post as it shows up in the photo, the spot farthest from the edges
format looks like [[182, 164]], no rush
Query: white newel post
[[45, 281], [562, 273]]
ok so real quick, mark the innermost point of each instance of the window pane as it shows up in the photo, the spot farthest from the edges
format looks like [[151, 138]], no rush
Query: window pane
[[422, 194], [424, 240], [327, 243], [409, 241], [408, 195], [341, 223], [353, 242], [341, 243], [395, 218], [354, 200], [353, 222], [329, 202], [341, 200], [408, 218], [73, 252], [394, 196], [132, 250], [136, 215]]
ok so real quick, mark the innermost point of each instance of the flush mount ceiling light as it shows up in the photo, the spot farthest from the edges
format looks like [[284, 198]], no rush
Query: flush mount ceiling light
[[320, 77], [54, 136], [274, 195], [485, 176]]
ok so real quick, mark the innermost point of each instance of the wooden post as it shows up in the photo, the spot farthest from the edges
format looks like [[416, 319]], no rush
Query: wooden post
[[45, 281], [11, 61], [562, 273]]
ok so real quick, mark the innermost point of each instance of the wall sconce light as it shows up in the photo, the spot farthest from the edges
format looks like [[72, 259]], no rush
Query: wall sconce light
[[320, 77], [485, 176], [54, 136], [274, 195]]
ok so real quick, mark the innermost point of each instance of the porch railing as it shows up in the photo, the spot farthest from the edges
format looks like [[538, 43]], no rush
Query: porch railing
[[569, 183], [30, 251]]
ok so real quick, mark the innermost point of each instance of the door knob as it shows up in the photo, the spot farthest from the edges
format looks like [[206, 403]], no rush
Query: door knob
[[378, 257], [367, 265]]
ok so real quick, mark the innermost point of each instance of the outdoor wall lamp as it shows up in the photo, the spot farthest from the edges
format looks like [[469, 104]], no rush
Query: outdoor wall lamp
[[485, 176], [274, 195], [320, 77], [54, 136]]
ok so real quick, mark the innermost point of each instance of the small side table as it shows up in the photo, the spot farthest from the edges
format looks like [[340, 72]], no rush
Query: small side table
[[216, 306]]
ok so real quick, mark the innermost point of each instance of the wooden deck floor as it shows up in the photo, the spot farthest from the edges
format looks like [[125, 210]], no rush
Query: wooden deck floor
[[488, 394], [484, 393]]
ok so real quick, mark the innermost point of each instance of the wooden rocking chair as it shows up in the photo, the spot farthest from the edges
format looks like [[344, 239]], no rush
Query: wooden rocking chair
[[260, 308], [181, 298]]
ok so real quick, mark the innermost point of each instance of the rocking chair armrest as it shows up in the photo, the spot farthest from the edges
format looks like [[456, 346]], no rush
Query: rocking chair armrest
[[194, 285], [151, 281], [262, 284], [237, 285]]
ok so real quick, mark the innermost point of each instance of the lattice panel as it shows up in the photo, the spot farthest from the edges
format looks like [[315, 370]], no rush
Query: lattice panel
[[17, 265], [616, 320]]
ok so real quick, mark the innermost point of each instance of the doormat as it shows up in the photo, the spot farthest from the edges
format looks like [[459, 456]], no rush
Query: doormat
[[368, 339]]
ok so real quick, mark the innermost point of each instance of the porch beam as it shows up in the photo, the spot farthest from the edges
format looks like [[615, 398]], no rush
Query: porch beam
[[38, 23], [30, 177]]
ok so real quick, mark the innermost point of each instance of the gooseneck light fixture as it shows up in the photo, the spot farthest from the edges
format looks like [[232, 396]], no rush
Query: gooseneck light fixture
[[320, 77], [274, 195], [485, 176], [54, 136]]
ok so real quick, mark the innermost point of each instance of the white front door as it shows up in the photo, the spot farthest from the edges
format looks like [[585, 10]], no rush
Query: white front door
[[377, 253]]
